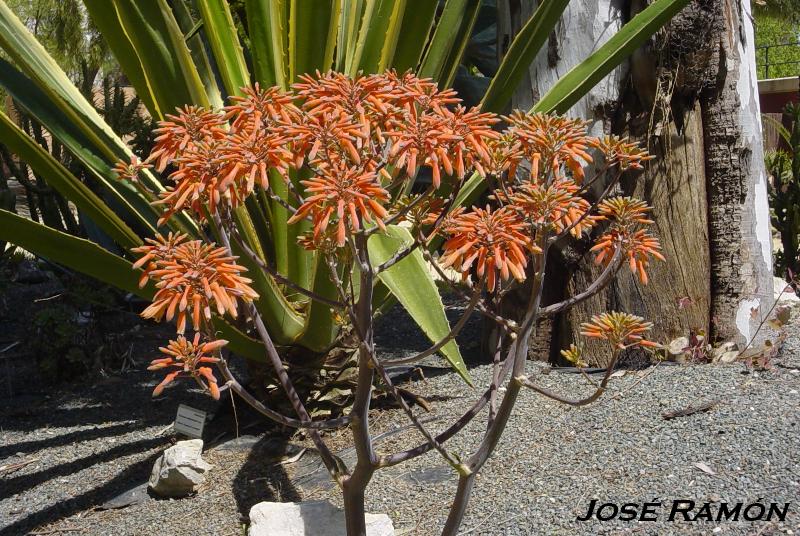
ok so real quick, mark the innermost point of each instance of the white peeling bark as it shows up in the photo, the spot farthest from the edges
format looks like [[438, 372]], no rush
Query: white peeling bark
[[758, 278], [585, 26], [739, 219]]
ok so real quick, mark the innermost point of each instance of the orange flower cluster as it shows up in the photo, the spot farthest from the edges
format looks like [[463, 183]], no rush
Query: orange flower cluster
[[621, 330], [505, 155], [187, 357], [620, 151], [495, 241], [356, 134], [628, 215], [190, 278], [556, 205], [550, 198], [552, 142], [190, 126], [154, 252], [343, 194], [445, 141]]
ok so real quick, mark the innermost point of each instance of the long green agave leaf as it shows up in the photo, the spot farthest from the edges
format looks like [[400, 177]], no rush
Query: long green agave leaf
[[155, 37], [456, 52], [59, 178], [191, 34], [446, 35], [584, 76], [313, 27], [105, 17], [268, 27], [88, 258], [417, 23], [283, 322], [300, 261], [321, 327], [224, 40], [412, 284], [121, 195], [259, 28], [73, 252], [347, 34], [31, 57], [378, 35], [526, 45]]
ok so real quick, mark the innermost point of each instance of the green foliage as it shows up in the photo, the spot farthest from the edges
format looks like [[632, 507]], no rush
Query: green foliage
[[782, 35], [784, 192], [785, 9], [64, 28], [66, 334]]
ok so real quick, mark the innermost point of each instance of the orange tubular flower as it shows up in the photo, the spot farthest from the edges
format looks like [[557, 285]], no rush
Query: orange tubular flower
[[192, 125], [628, 155], [334, 92], [197, 181], [443, 140], [625, 210], [187, 357], [492, 240], [156, 251], [326, 136], [638, 247], [130, 170], [261, 109], [556, 205], [551, 142], [505, 154], [410, 92], [622, 330], [628, 216], [342, 194], [470, 131], [248, 157], [195, 277]]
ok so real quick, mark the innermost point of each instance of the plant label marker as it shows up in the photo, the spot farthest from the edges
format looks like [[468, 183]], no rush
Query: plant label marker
[[190, 421]]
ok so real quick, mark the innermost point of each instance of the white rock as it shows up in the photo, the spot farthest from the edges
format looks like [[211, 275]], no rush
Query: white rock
[[180, 470], [725, 353], [677, 346], [309, 518]]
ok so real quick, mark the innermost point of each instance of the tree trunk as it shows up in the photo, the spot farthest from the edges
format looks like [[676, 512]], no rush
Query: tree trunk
[[740, 238], [691, 97]]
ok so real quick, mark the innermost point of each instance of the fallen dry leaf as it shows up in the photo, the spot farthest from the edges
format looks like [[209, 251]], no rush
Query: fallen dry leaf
[[705, 468]]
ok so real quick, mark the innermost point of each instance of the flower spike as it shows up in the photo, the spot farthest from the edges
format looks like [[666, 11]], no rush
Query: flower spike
[[494, 241], [188, 356]]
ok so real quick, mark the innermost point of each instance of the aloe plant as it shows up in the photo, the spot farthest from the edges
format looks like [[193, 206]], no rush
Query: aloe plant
[[173, 60]]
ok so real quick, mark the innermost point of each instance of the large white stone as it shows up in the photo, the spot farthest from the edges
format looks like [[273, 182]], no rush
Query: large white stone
[[180, 470], [309, 518]]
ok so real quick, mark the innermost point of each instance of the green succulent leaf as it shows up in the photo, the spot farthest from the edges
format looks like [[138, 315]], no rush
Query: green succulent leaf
[[223, 38], [378, 35], [66, 183], [307, 18], [411, 282]]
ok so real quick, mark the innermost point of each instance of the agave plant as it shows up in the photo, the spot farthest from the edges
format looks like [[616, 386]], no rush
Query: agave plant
[[183, 53]]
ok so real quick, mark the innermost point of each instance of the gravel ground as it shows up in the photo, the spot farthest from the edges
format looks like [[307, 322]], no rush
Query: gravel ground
[[81, 446]]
